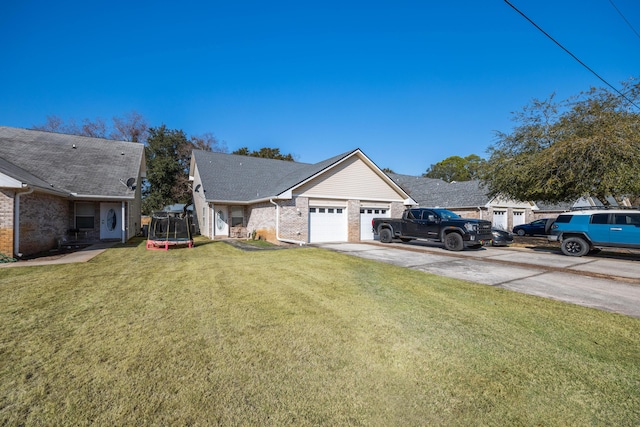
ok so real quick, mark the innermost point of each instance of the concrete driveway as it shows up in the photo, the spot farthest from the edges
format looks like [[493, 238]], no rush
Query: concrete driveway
[[610, 283]]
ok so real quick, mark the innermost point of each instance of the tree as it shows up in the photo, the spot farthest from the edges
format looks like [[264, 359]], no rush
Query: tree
[[266, 153], [168, 153], [131, 127], [588, 145], [165, 169], [456, 168]]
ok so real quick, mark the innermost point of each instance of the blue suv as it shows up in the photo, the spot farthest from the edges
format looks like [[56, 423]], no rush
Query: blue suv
[[582, 231]]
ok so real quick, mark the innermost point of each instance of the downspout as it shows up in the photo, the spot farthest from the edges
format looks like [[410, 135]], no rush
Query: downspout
[[123, 223], [480, 211], [16, 222], [297, 242]]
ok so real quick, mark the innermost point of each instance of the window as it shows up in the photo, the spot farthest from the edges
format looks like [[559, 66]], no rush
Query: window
[[330, 210], [601, 218], [627, 219], [564, 218], [85, 215], [312, 210], [237, 216]]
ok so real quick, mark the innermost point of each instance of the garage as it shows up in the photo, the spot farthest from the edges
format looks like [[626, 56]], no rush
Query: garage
[[367, 213], [500, 219], [327, 224]]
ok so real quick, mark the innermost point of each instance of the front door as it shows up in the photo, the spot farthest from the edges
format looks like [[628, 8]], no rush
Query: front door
[[110, 221], [221, 221]]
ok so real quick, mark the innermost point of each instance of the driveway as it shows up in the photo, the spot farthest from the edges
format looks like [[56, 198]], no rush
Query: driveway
[[608, 282]]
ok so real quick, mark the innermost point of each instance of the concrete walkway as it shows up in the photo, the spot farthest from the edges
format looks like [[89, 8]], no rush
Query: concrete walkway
[[82, 255]]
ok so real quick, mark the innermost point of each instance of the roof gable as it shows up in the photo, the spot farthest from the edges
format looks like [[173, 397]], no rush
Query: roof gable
[[71, 164], [235, 178]]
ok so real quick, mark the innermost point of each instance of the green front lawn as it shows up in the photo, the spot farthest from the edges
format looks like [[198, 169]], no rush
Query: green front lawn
[[214, 335]]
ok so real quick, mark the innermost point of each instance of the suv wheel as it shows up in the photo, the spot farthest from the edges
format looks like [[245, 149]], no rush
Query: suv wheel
[[575, 246]]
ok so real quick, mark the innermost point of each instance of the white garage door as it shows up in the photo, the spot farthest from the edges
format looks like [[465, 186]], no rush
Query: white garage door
[[518, 218], [327, 224], [500, 219], [366, 215]]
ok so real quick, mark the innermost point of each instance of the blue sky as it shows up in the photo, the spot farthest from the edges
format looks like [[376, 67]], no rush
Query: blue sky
[[408, 82]]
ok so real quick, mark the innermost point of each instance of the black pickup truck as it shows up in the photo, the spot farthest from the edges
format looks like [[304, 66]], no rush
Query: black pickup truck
[[438, 225]]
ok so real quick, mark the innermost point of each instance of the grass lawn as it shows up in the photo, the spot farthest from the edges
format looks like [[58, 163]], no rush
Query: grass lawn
[[214, 335]]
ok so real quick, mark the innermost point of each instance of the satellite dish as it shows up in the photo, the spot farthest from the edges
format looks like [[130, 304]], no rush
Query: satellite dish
[[130, 184]]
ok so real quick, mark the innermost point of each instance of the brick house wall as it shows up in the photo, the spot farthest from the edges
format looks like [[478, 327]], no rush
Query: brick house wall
[[44, 220], [353, 220], [6, 222], [262, 221], [396, 209], [294, 219]]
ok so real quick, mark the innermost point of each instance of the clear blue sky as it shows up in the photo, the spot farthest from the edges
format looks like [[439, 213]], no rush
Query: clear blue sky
[[408, 82]]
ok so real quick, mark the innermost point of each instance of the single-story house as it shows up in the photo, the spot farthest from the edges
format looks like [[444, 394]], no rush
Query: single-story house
[[277, 200], [469, 199], [56, 188]]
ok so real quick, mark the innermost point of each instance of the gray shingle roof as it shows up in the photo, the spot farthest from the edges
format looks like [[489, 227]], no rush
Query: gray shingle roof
[[436, 192], [70, 163], [230, 177]]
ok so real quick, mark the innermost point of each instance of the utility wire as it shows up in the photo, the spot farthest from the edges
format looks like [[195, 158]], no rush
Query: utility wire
[[625, 19], [572, 55]]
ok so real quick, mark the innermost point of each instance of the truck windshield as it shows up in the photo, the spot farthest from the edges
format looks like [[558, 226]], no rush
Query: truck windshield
[[445, 214]]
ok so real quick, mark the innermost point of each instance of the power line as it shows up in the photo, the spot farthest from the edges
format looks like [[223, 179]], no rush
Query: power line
[[571, 54], [625, 19]]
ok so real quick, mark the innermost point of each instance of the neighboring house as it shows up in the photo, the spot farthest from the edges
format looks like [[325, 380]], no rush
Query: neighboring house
[[276, 200], [56, 187], [468, 199]]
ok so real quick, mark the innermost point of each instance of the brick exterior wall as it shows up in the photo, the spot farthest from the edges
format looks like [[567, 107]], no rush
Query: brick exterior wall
[[294, 219], [396, 209], [262, 220], [44, 220], [6, 222], [353, 220]]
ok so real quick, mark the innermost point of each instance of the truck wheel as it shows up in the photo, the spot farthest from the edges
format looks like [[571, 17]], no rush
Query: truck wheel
[[453, 242], [574, 246], [385, 235]]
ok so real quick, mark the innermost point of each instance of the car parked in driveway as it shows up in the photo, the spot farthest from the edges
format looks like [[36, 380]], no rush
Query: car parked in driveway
[[501, 237], [535, 228], [582, 231]]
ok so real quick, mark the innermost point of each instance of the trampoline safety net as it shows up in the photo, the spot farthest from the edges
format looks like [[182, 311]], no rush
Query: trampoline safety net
[[167, 230]]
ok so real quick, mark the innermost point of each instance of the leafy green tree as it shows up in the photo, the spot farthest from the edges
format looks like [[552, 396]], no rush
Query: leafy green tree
[[168, 153], [266, 153], [456, 168], [165, 167], [588, 145]]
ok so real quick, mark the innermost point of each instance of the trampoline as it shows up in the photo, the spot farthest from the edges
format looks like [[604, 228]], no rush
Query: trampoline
[[167, 229]]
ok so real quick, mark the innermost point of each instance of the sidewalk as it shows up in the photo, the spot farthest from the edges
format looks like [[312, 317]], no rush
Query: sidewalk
[[82, 255]]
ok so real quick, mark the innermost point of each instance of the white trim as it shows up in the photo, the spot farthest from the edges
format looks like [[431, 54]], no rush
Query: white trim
[[8, 182]]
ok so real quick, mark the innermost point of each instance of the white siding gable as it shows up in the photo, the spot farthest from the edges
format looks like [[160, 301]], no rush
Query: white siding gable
[[351, 179]]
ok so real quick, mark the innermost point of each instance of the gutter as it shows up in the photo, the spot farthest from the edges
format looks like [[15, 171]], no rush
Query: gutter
[[16, 222], [297, 242]]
